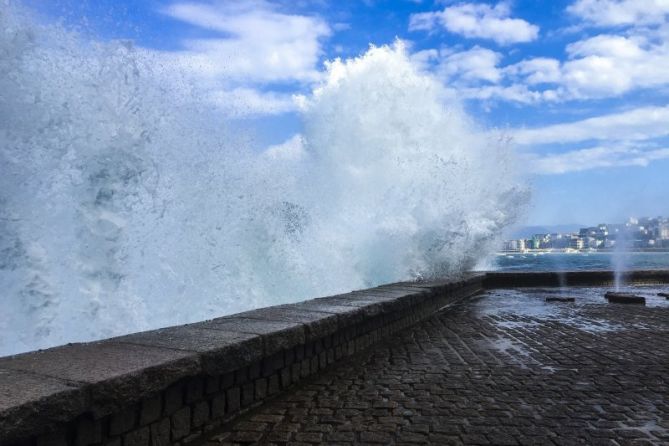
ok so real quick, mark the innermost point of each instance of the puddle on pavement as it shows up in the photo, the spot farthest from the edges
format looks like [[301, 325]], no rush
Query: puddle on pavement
[[522, 308]]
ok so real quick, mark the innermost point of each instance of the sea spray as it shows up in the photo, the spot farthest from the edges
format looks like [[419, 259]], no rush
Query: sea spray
[[127, 204], [620, 256]]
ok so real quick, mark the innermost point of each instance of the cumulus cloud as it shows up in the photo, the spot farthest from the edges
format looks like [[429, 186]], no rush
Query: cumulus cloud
[[596, 158], [539, 70], [477, 20], [602, 66], [634, 125], [620, 12], [610, 65], [476, 64], [255, 42]]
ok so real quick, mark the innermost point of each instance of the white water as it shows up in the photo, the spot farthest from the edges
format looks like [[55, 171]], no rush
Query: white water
[[126, 204]]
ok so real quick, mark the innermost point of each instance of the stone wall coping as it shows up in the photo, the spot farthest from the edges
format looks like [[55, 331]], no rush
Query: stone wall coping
[[54, 385]]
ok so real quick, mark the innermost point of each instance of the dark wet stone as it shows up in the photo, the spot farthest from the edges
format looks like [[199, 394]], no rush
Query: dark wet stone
[[624, 298], [560, 299]]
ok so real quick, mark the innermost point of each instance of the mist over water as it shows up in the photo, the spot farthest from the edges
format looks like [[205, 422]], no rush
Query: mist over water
[[126, 203]]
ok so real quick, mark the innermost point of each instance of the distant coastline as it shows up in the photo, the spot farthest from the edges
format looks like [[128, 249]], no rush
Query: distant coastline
[[582, 251]]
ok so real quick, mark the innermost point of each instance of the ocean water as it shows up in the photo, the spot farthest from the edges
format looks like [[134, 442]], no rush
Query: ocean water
[[128, 203], [581, 261]]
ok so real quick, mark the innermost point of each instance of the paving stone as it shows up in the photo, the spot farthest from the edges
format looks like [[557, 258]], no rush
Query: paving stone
[[469, 376]]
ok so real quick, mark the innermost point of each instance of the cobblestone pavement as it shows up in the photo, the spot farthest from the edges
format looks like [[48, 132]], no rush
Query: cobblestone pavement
[[507, 369]]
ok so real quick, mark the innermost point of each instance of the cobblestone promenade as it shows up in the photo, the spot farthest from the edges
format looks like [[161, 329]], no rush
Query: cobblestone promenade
[[507, 369]]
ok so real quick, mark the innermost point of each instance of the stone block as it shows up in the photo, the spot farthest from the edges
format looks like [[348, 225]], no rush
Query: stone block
[[219, 351], [346, 314], [316, 324], [248, 391], [273, 385], [57, 438], [624, 298], [272, 363], [89, 431], [260, 389], [227, 380], [174, 399], [218, 406], [138, 437], [285, 377], [29, 403], [254, 370], [151, 409], [233, 399], [194, 389], [277, 335], [289, 356], [114, 373], [123, 421], [212, 384], [160, 433], [200, 413], [181, 423]]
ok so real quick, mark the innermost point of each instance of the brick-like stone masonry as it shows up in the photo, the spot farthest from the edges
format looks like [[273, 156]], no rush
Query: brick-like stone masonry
[[464, 377], [176, 385]]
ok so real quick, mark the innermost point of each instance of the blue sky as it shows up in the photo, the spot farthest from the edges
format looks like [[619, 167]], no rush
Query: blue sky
[[581, 86]]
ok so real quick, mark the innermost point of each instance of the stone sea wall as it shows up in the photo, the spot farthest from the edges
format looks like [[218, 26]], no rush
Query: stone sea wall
[[170, 386]]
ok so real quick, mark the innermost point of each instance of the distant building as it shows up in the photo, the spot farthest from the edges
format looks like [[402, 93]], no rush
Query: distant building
[[664, 232], [641, 233], [576, 242]]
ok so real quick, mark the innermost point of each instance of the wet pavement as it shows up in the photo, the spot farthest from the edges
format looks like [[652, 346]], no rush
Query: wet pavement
[[506, 369]]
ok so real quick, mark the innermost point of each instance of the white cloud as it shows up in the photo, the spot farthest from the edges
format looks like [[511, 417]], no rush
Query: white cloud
[[620, 12], [596, 157], [257, 43], [513, 93], [539, 70], [477, 20], [476, 64], [633, 125], [610, 65], [247, 102], [606, 65]]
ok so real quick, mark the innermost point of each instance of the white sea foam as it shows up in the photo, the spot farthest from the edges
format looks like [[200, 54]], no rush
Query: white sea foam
[[126, 204]]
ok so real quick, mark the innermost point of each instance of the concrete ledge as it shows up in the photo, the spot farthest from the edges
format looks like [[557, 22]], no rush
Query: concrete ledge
[[170, 386]]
